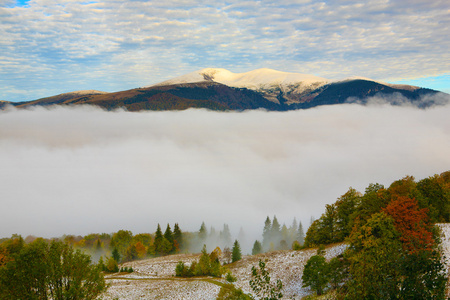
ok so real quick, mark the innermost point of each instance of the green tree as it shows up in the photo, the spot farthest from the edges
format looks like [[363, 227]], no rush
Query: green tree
[[116, 255], [315, 274], [204, 264], [374, 255], [225, 236], [158, 240], [266, 233], [436, 197], [275, 231], [257, 248], [300, 234], [168, 235], [164, 247], [121, 240], [337, 271], [111, 265], [345, 207], [178, 237], [131, 253], [72, 274], [262, 286], [202, 233], [55, 271], [236, 252]]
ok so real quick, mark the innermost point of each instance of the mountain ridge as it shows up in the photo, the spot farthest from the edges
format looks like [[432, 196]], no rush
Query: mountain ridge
[[220, 89]]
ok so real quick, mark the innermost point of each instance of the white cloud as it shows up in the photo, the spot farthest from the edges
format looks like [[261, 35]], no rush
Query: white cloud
[[66, 39], [83, 170]]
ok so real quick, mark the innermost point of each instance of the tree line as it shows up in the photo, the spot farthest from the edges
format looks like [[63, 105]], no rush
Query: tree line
[[393, 243]]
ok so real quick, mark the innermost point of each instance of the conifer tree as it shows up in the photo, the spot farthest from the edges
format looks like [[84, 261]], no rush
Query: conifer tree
[[257, 248], [266, 233], [275, 231], [178, 236], [116, 255], [158, 239], [225, 236], [168, 235], [236, 252], [285, 237], [203, 232], [300, 234], [293, 231]]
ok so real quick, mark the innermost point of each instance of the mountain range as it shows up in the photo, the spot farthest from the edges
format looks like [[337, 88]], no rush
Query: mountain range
[[220, 89]]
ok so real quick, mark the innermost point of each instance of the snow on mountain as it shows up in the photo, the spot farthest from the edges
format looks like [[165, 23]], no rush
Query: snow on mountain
[[267, 81], [257, 79], [84, 92]]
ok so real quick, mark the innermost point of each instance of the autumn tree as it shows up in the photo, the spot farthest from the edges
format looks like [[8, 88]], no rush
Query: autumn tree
[[421, 264], [121, 240]]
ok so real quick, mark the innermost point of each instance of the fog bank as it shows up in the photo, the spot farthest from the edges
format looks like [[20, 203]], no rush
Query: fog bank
[[83, 170]]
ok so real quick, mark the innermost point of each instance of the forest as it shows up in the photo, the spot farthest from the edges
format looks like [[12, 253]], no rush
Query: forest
[[393, 249]]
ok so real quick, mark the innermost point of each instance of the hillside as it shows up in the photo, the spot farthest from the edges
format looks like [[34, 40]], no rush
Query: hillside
[[154, 278]]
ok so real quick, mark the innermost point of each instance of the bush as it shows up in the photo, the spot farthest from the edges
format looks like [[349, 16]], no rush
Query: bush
[[229, 292], [208, 265], [230, 278]]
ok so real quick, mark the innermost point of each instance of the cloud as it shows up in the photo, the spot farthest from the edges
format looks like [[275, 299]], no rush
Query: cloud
[[82, 170], [50, 47]]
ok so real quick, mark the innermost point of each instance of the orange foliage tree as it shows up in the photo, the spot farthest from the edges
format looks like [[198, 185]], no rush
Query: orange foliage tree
[[412, 223]]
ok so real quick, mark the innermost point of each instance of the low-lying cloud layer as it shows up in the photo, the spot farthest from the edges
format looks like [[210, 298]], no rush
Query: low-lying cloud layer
[[83, 170]]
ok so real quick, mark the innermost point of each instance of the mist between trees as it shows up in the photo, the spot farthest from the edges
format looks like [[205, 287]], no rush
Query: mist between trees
[[124, 246]]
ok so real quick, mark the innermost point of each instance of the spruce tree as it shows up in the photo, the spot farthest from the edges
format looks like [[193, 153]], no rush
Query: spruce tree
[[300, 234], [266, 233], [293, 231], [275, 231], [168, 235], [203, 232], [257, 248], [236, 252], [225, 236], [178, 236], [116, 255], [158, 239], [284, 237]]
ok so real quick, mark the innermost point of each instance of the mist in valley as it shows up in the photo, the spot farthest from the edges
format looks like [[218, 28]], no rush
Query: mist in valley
[[79, 170]]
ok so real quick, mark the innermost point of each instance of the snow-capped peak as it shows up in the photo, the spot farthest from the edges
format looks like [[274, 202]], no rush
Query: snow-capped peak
[[256, 79]]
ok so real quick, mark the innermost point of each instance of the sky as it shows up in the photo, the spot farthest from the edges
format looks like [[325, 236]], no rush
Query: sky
[[48, 47], [82, 170]]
